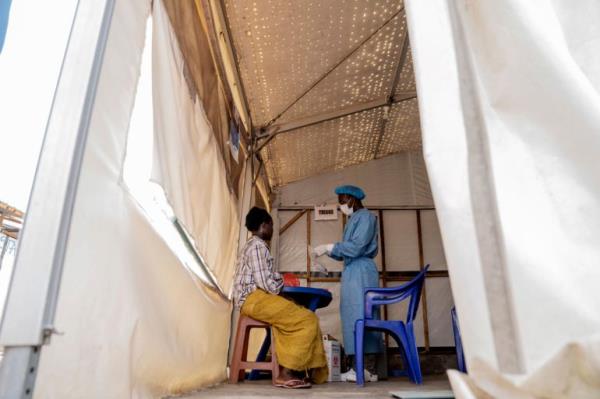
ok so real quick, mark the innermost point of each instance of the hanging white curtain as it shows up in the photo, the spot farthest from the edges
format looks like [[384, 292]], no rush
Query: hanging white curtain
[[187, 162], [509, 96]]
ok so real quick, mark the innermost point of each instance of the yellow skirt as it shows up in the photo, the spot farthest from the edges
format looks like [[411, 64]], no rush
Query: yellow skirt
[[296, 332]]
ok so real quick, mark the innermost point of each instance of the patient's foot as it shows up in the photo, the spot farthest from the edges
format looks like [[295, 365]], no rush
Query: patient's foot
[[287, 379], [286, 374]]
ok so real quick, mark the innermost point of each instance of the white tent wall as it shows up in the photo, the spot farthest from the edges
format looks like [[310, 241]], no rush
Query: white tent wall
[[188, 163], [134, 322], [398, 181], [509, 96]]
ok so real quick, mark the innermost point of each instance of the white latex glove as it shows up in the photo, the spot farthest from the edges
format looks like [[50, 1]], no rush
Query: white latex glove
[[323, 249]]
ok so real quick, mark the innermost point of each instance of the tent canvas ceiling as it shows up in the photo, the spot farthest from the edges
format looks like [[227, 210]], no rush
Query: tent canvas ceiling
[[334, 81]]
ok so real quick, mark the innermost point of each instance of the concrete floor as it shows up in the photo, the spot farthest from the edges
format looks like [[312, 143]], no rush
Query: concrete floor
[[374, 390]]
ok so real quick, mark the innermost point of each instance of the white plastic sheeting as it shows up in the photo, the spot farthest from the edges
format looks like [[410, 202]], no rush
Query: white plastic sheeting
[[329, 317], [439, 303], [401, 240], [400, 179], [570, 373], [188, 163], [134, 322], [509, 95], [326, 232], [292, 243], [433, 249]]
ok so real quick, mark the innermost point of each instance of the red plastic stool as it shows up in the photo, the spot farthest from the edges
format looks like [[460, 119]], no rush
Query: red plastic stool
[[239, 362]]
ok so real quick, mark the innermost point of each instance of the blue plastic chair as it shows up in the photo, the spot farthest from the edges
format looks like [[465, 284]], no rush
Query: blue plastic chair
[[402, 332], [460, 355]]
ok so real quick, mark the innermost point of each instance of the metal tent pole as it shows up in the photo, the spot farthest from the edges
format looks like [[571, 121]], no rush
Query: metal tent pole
[[4, 248]]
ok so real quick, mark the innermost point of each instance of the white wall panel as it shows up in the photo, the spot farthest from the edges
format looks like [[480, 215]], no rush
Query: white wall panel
[[439, 303], [387, 181], [329, 317], [327, 232], [292, 243], [433, 249], [378, 259], [401, 240]]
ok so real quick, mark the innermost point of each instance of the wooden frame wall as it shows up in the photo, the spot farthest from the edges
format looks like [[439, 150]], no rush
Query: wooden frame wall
[[385, 276]]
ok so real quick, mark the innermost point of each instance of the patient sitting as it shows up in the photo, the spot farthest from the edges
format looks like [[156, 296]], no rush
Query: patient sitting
[[296, 331]]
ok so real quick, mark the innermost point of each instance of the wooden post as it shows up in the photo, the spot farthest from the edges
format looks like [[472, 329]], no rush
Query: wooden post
[[383, 268], [424, 292], [307, 248]]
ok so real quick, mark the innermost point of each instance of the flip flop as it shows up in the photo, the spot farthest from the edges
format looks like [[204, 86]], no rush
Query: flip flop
[[292, 384]]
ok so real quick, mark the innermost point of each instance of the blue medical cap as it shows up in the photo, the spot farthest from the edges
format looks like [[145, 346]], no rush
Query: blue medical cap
[[354, 191]]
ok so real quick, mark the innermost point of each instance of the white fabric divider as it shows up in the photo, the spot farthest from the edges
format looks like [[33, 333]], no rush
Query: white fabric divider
[[390, 181], [292, 243], [378, 258], [327, 232], [570, 373], [433, 249], [401, 240], [420, 180], [329, 317], [134, 322], [439, 304], [445, 154], [509, 96], [188, 164]]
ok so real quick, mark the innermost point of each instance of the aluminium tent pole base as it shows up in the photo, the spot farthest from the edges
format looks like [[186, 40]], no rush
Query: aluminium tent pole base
[[19, 367]]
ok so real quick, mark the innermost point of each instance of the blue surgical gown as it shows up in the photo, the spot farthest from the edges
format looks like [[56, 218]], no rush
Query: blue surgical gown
[[357, 249]]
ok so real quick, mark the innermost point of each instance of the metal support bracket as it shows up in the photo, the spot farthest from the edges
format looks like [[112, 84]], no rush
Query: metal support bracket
[[399, 68]]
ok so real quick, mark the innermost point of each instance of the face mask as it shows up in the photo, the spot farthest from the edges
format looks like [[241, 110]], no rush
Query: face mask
[[346, 210]]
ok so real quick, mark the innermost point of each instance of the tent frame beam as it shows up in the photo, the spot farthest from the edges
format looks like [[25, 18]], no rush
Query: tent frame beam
[[268, 134], [228, 57]]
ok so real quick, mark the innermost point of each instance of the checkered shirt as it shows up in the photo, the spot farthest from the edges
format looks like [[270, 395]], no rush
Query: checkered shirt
[[255, 270]]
